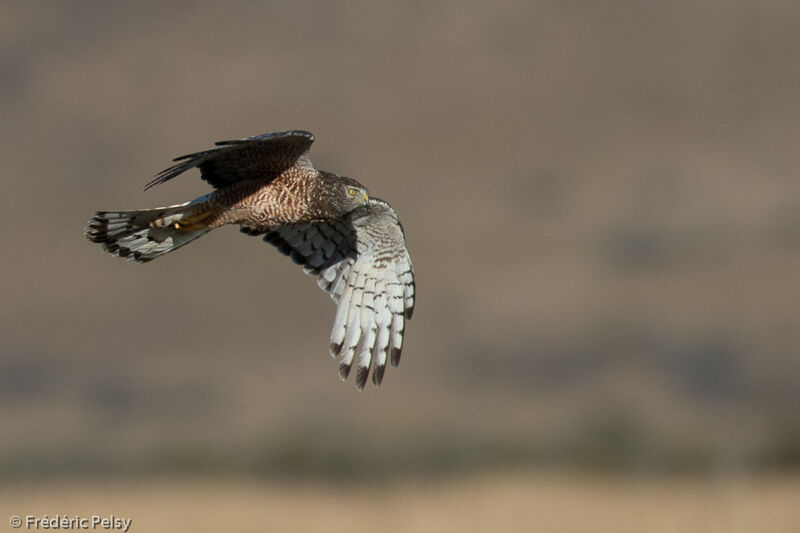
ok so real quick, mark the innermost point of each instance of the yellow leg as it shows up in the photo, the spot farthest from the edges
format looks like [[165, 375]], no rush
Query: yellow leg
[[194, 222]]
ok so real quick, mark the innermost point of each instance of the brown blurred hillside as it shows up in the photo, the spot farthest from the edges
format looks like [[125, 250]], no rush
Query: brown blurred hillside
[[601, 200]]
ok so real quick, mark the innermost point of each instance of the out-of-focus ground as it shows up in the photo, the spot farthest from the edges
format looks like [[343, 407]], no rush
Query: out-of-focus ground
[[499, 502], [601, 200]]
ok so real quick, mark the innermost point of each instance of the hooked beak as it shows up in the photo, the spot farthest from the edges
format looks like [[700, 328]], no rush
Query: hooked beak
[[366, 198]]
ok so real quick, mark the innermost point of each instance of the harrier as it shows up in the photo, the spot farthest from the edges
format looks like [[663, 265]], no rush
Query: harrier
[[353, 243]]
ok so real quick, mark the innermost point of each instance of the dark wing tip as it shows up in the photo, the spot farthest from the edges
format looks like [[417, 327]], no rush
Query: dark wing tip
[[395, 356], [335, 349], [152, 183], [362, 373], [175, 170], [377, 375], [344, 371]]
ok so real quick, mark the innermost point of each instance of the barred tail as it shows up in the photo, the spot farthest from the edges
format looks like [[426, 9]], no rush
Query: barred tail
[[142, 236]]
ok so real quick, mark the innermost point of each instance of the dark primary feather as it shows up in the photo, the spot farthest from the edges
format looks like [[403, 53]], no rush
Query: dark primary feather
[[261, 157]]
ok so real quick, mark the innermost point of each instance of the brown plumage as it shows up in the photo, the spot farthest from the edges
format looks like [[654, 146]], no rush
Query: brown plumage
[[328, 223]]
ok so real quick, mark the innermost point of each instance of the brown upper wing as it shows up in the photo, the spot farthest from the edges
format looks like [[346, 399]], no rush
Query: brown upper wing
[[261, 157]]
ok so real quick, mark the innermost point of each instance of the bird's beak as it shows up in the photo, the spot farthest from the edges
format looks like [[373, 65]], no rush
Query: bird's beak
[[366, 198]]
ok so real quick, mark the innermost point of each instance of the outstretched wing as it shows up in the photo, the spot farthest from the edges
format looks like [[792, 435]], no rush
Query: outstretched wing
[[261, 157], [363, 263]]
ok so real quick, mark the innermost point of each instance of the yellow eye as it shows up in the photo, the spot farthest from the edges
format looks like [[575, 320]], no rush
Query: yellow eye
[[351, 192]]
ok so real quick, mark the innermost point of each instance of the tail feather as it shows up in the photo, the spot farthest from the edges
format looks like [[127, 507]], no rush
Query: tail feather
[[142, 236]]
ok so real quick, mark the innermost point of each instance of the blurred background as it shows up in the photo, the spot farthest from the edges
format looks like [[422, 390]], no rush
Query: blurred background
[[601, 201]]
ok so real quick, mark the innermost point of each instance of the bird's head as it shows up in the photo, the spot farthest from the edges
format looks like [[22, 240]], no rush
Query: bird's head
[[349, 194]]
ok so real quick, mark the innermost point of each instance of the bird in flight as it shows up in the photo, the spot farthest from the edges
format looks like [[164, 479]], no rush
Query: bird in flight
[[351, 242]]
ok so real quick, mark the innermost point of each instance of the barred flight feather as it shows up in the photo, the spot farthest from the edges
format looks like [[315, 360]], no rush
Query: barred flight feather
[[364, 265]]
